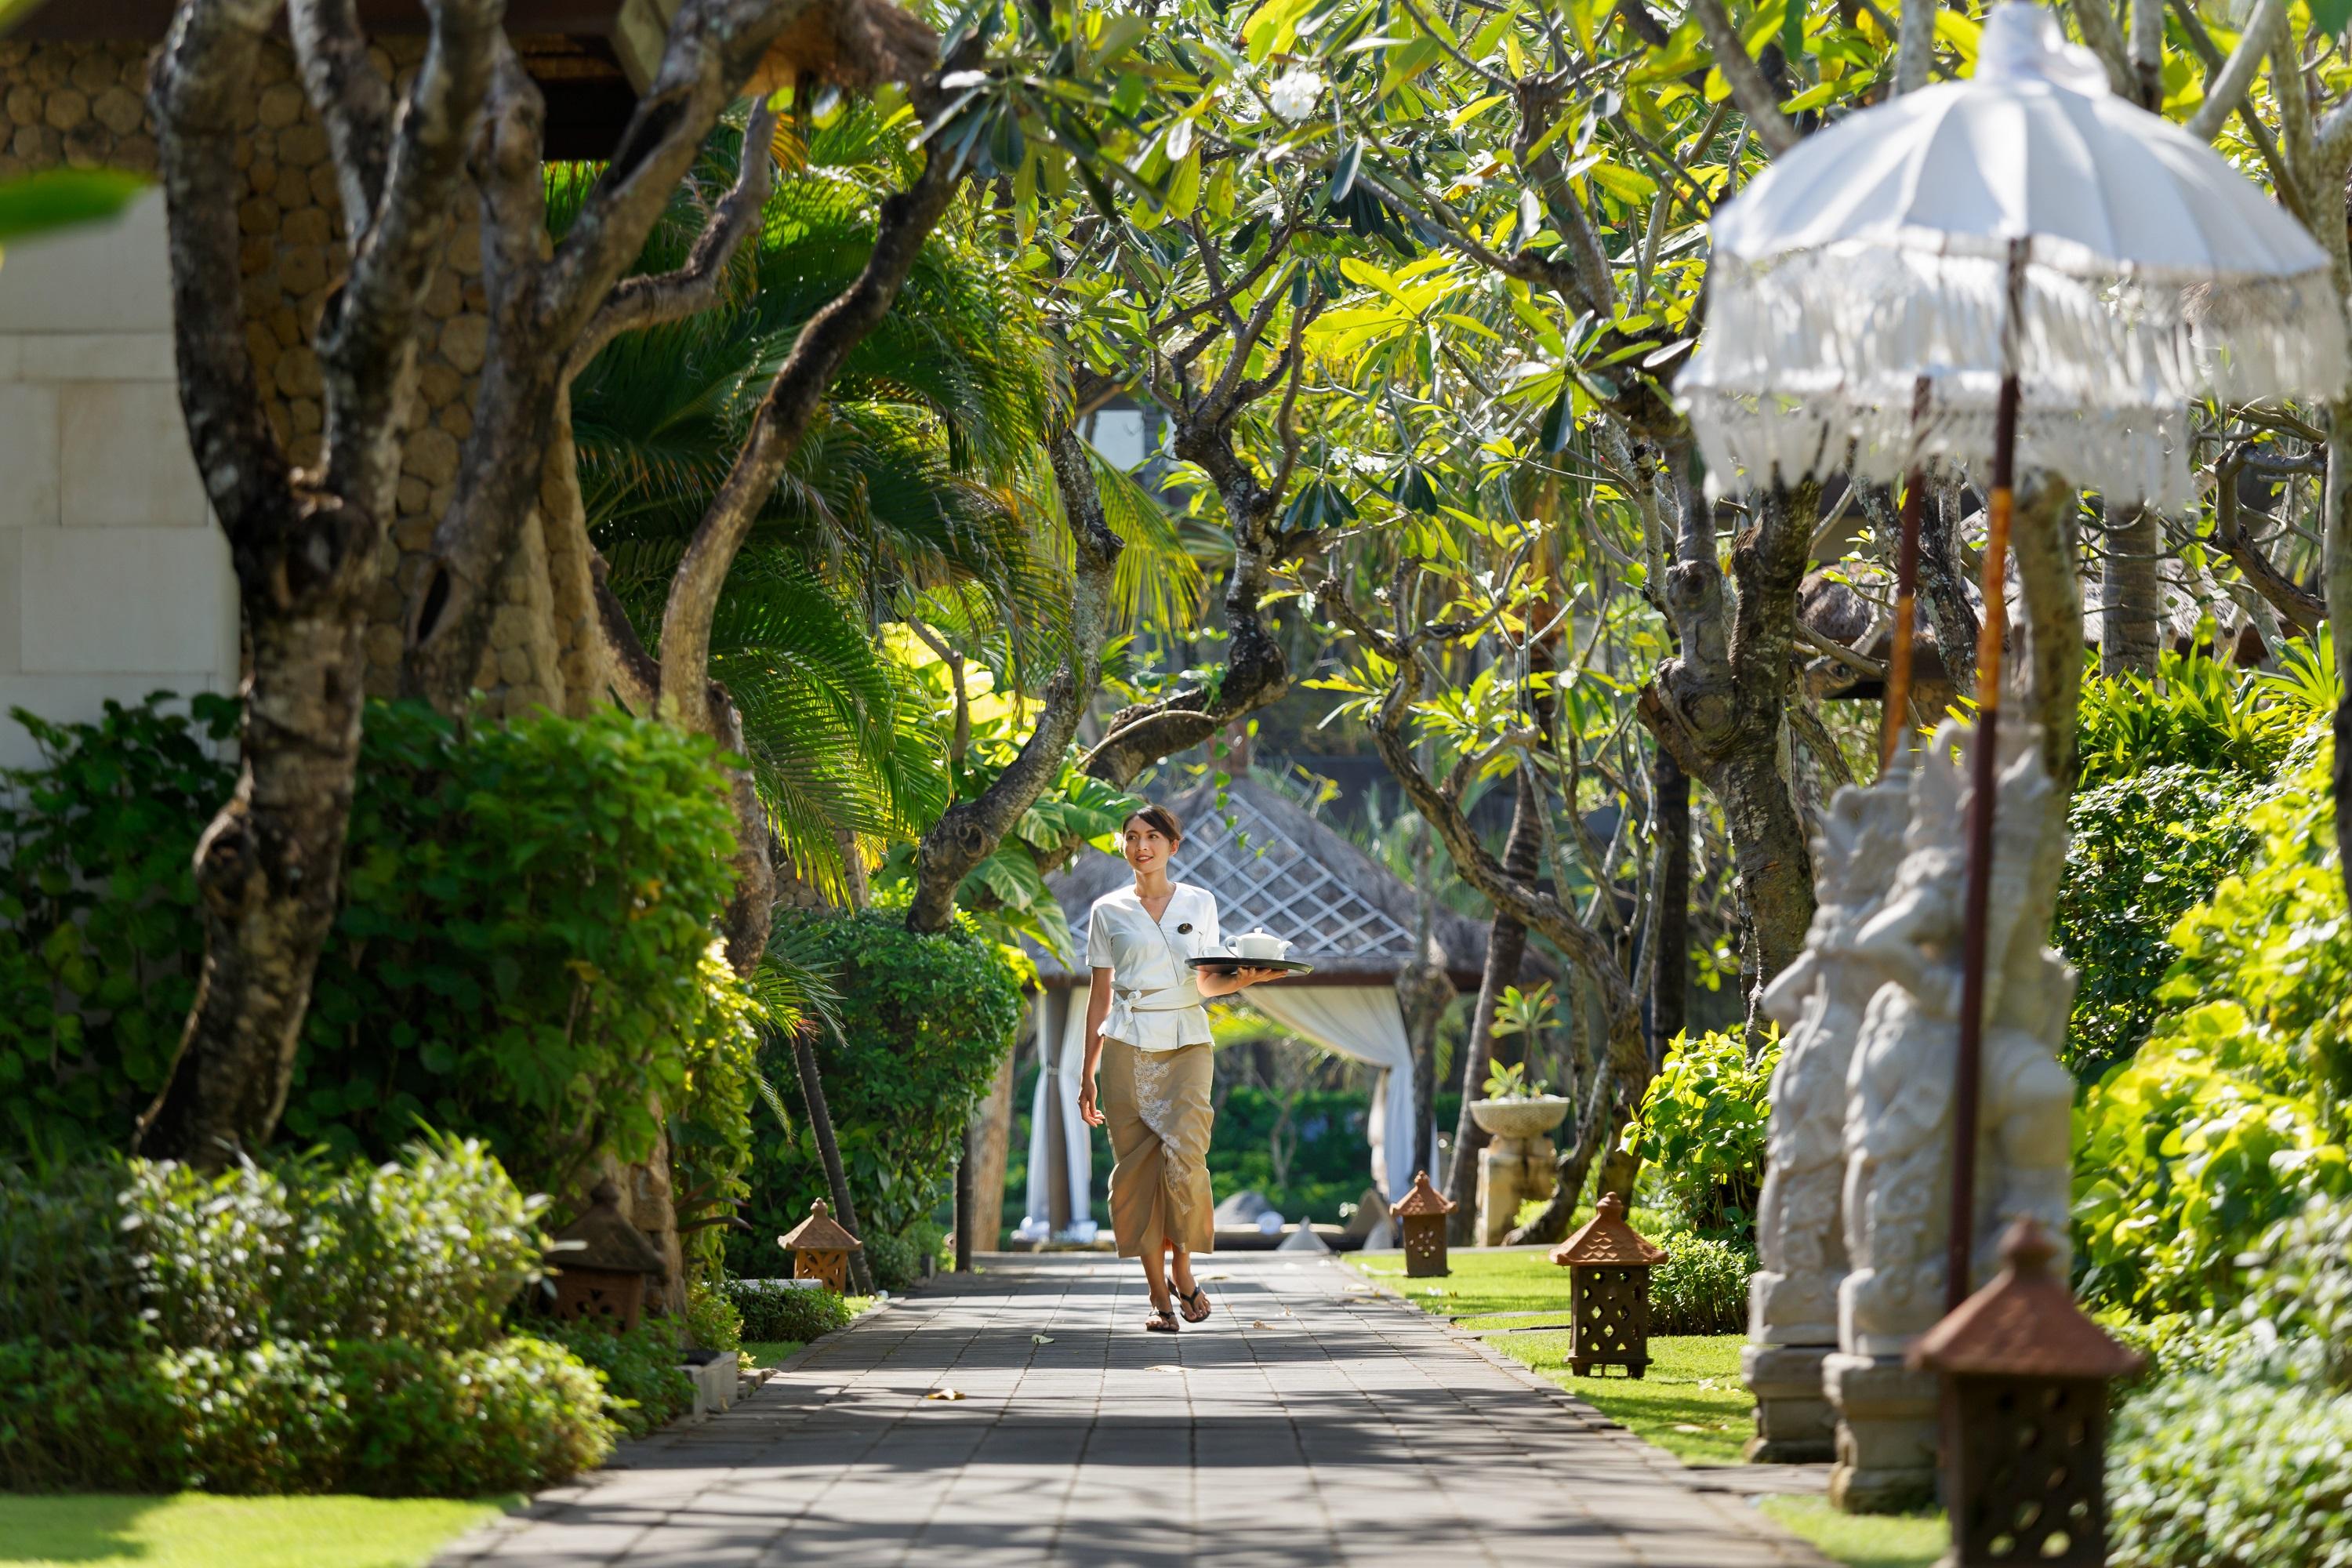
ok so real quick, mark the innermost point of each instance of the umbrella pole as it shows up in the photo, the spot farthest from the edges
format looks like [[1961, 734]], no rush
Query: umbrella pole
[[1896, 712], [1968, 1072]]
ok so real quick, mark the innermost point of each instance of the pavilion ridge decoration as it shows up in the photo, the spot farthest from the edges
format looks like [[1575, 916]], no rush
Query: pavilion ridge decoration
[[1609, 1263]]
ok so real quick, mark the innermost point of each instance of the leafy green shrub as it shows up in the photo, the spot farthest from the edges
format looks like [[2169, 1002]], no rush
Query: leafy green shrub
[[2223, 1473], [386, 1418], [2300, 1288], [2229, 1118], [712, 1323], [2198, 713], [2142, 851], [432, 1423], [645, 1386], [1701, 1288], [521, 954], [129, 1253], [1702, 1130], [526, 912], [924, 1022], [99, 935], [773, 1311]]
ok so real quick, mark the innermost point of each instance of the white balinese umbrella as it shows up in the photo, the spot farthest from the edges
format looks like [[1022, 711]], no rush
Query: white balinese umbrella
[[2017, 265], [2149, 272]]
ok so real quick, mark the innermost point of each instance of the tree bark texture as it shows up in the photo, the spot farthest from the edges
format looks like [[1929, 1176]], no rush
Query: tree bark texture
[[1943, 587], [1665, 948], [993, 1139], [2130, 597], [303, 543], [1720, 705], [970, 831], [1423, 991], [1507, 949], [861, 1278], [1593, 952], [2044, 540]]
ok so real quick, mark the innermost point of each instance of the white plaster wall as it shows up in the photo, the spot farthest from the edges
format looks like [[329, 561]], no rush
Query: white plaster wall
[[113, 580]]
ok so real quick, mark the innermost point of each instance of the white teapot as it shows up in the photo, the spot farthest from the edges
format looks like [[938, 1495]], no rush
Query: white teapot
[[1260, 944]]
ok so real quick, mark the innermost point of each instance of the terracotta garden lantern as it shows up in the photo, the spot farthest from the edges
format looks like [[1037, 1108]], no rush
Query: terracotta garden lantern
[[821, 1248], [601, 1264], [1608, 1265], [2025, 1415], [1420, 1219]]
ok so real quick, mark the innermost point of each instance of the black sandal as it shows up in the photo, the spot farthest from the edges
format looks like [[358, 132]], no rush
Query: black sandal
[[1162, 1321], [1187, 1298]]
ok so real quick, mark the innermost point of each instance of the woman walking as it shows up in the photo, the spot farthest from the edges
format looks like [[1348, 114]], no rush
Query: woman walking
[[1147, 1035]]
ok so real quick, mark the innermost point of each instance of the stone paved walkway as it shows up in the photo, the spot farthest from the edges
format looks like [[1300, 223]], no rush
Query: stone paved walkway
[[1311, 1421]]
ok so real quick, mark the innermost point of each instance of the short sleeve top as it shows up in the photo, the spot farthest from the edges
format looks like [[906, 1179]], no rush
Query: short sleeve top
[[1156, 1004]]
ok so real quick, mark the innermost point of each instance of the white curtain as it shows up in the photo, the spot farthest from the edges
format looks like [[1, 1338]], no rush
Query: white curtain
[[1365, 1022], [1061, 1050]]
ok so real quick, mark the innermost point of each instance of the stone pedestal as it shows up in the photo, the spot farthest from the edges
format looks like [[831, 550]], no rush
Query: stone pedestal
[[1795, 1422], [1510, 1172], [1886, 1431]]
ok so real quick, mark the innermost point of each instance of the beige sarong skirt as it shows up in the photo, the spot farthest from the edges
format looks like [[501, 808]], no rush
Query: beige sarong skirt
[[1156, 1103]]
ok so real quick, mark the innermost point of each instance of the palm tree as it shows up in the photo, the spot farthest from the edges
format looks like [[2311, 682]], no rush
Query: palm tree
[[915, 495]]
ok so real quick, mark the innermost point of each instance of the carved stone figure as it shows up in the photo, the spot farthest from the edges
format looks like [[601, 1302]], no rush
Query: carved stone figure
[[1818, 1001], [1898, 1120]]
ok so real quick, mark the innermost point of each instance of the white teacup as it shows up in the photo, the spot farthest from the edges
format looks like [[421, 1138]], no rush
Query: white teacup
[[1260, 944]]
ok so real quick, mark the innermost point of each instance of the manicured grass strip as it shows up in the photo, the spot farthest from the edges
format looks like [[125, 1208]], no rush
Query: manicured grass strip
[[194, 1530], [770, 1353], [1690, 1403], [1690, 1400], [1864, 1540]]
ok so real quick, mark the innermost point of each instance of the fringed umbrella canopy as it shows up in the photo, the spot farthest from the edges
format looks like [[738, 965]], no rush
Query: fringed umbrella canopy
[[1879, 252]]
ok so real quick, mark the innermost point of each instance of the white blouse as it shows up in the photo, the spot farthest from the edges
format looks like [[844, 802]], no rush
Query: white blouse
[[1156, 1003]]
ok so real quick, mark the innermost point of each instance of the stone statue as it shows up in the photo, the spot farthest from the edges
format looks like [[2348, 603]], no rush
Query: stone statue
[[1898, 1113], [1818, 1001]]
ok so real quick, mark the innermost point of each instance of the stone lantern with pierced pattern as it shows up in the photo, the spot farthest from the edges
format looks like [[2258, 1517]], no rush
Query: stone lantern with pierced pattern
[[2025, 1415], [1421, 1223], [1608, 1265], [821, 1248], [602, 1264]]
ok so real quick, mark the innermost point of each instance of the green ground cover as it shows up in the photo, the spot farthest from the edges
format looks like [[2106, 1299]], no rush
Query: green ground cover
[[1864, 1540], [770, 1353], [1690, 1403], [194, 1530]]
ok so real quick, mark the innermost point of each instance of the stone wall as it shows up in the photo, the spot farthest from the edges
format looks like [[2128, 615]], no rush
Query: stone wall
[[83, 105]]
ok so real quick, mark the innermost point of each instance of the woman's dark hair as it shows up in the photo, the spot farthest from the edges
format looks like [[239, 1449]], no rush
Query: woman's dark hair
[[1159, 818]]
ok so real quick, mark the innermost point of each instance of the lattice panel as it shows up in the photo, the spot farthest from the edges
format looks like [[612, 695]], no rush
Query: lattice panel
[[1611, 1323], [1262, 877], [2035, 1491]]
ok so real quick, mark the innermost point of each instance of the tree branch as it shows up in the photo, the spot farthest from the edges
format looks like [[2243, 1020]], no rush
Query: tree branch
[[792, 400], [1757, 102], [351, 98], [2225, 91], [643, 302]]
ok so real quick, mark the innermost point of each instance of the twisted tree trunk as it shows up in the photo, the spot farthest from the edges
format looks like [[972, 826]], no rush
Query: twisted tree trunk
[[1506, 948], [303, 545]]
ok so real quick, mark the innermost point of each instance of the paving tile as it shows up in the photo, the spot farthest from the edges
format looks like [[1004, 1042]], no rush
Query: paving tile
[[1354, 1432]]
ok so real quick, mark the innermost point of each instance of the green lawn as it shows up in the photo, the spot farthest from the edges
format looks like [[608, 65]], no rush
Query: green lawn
[[768, 1353], [1690, 1403], [1864, 1540], [194, 1530]]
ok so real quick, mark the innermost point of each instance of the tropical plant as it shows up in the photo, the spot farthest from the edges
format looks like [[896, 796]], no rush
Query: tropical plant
[[2197, 712], [2231, 1117], [914, 1040], [1702, 1130], [2142, 850]]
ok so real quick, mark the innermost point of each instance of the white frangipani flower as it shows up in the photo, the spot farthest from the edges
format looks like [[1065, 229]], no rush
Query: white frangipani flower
[[1296, 92]]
